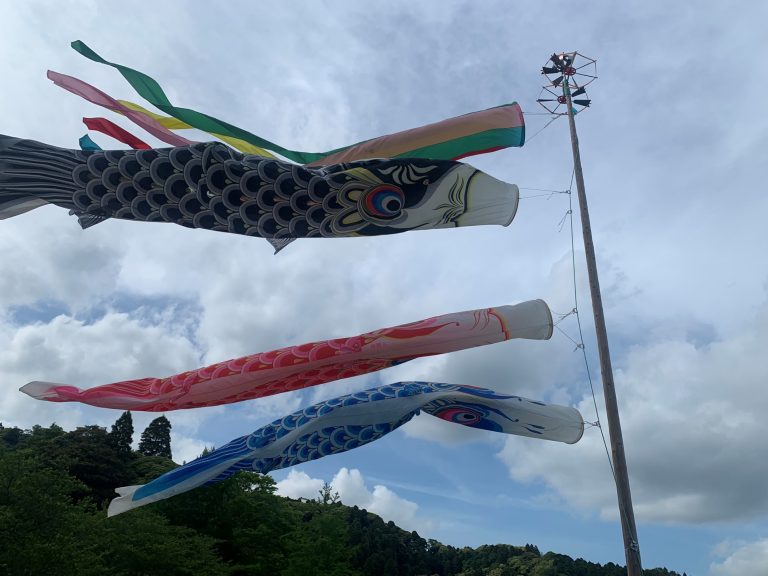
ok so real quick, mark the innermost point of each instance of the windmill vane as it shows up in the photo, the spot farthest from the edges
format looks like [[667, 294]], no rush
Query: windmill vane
[[570, 71]]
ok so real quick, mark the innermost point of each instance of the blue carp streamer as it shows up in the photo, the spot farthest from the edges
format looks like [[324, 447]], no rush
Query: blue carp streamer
[[346, 422]]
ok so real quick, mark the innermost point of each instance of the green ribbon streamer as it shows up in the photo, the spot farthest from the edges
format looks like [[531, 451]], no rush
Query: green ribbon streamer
[[150, 90]]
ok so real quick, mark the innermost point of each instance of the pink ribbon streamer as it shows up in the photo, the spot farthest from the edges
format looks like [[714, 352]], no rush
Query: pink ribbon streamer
[[96, 96]]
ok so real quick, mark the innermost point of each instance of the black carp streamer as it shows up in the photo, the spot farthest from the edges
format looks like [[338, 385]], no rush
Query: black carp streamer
[[212, 186]]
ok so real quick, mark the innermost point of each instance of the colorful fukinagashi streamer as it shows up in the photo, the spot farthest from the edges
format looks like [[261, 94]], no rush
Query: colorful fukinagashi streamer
[[214, 187], [350, 421], [451, 139], [100, 98], [85, 144], [174, 124], [118, 133], [155, 124], [310, 364]]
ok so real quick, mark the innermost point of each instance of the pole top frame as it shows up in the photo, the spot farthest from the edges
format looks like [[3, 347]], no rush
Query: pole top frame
[[566, 71]]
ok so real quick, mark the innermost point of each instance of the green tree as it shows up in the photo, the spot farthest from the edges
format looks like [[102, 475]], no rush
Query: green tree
[[147, 468], [320, 545], [144, 542], [11, 437], [40, 525], [249, 523], [87, 454], [43, 530], [121, 434], [327, 495], [156, 438]]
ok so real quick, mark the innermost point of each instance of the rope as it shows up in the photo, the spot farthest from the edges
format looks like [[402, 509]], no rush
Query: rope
[[561, 317], [545, 190], [581, 333], [633, 545], [528, 140], [548, 195], [564, 333]]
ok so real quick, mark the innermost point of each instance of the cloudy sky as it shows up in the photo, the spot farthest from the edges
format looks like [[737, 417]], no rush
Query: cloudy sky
[[674, 152]]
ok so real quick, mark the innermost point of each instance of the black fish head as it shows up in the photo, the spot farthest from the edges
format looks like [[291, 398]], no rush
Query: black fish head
[[395, 196]]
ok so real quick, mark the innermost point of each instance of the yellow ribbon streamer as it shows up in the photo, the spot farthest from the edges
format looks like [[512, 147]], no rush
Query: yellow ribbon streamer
[[176, 124]]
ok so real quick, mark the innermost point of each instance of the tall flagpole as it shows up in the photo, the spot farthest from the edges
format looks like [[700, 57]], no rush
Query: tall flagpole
[[564, 65]]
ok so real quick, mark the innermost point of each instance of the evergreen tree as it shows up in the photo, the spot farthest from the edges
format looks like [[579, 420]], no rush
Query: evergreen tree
[[156, 438], [121, 434], [327, 495]]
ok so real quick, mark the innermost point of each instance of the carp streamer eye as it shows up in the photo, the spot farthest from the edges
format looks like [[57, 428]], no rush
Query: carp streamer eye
[[383, 202], [459, 415]]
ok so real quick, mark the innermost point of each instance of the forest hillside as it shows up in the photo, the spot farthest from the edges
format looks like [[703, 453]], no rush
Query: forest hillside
[[55, 487]]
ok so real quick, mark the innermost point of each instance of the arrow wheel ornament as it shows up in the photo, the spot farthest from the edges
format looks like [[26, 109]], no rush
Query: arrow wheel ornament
[[567, 69]]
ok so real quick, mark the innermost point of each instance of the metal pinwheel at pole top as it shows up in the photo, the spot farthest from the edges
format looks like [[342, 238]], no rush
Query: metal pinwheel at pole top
[[567, 70], [571, 73]]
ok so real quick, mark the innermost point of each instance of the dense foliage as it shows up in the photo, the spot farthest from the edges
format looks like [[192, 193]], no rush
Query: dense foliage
[[55, 485], [156, 439]]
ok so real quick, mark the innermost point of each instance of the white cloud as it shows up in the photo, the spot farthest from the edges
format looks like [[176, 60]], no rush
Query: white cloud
[[55, 263], [298, 484], [741, 559], [352, 490], [186, 449], [276, 406], [691, 419], [116, 346], [67, 350]]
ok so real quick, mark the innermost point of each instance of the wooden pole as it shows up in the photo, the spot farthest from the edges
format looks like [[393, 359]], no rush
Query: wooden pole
[[626, 513]]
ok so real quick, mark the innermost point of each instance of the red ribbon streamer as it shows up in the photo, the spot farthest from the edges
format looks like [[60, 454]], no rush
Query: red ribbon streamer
[[111, 129]]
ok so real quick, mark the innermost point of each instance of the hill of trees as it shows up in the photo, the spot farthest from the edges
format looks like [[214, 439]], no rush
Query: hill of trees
[[55, 487]]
